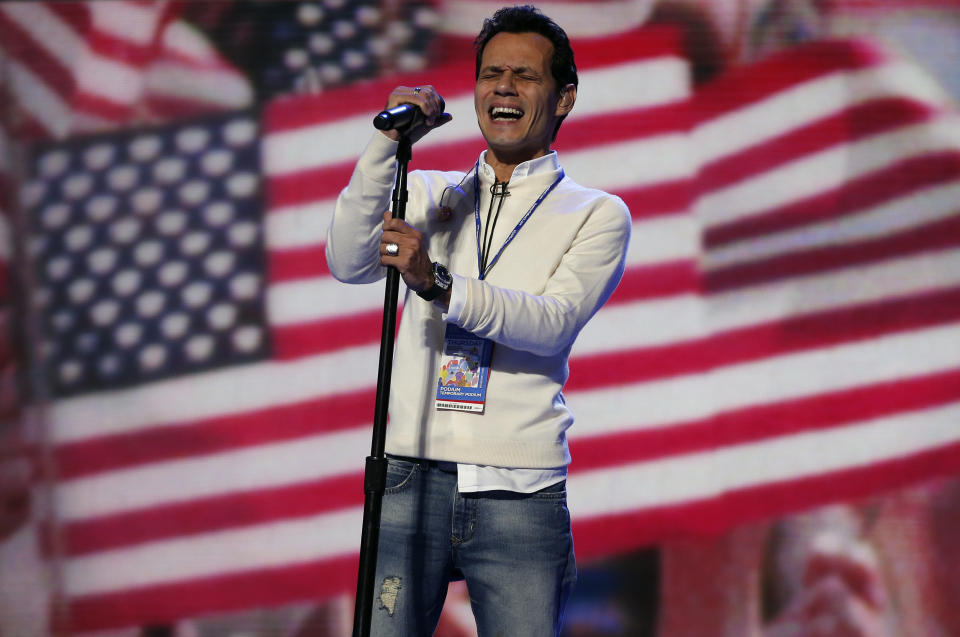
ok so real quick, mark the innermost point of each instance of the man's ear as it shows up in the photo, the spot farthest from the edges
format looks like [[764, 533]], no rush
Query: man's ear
[[568, 95]]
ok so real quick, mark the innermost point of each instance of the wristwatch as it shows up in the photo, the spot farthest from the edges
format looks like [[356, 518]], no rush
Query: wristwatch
[[441, 283]]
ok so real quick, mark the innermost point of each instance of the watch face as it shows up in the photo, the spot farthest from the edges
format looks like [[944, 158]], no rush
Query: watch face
[[441, 276]]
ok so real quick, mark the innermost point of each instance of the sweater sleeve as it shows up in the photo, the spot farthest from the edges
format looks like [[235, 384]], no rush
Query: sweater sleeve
[[353, 238], [548, 323]]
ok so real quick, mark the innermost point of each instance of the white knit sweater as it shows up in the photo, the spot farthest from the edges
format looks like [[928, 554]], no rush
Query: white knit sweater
[[556, 273]]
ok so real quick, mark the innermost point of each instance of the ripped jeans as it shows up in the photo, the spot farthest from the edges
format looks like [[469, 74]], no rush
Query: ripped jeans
[[514, 550]]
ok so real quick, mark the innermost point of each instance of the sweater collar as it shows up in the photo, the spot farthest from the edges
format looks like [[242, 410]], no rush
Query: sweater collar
[[548, 163]]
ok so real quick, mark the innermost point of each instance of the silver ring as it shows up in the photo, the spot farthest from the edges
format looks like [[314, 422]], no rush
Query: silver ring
[[392, 249], [417, 90]]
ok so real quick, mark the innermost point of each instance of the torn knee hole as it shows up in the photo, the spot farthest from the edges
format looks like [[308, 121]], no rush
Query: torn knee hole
[[388, 593]]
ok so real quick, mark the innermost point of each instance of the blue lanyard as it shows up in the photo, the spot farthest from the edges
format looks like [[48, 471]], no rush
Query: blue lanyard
[[513, 233]]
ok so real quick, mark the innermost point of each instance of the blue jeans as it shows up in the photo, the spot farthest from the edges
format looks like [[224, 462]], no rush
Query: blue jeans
[[514, 550]]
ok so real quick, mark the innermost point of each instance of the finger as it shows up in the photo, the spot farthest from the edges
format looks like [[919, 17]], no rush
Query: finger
[[408, 95]]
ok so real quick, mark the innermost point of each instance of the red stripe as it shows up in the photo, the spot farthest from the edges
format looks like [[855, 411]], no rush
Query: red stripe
[[307, 186], [818, 330], [854, 196], [668, 198], [326, 182], [20, 46], [205, 515], [304, 339], [662, 198], [298, 263], [327, 335], [846, 127], [658, 280], [120, 50], [74, 14], [595, 537], [644, 42], [742, 426], [186, 440], [929, 237], [165, 108], [293, 113], [163, 604], [745, 86], [605, 370], [607, 535], [751, 424], [30, 129], [578, 133], [451, 80], [102, 107], [4, 285]]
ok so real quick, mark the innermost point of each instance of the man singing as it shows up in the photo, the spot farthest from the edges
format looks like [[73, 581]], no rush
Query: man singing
[[504, 264]]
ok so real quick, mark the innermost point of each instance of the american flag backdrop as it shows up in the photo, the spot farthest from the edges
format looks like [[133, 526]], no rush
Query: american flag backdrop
[[786, 333], [77, 67]]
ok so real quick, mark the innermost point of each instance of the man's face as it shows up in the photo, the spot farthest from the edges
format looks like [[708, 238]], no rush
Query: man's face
[[517, 100]]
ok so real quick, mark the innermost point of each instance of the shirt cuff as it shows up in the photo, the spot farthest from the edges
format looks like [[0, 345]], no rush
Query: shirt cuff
[[458, 298]]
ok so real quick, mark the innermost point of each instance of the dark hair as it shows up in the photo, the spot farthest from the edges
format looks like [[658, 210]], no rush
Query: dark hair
[[529, 19]]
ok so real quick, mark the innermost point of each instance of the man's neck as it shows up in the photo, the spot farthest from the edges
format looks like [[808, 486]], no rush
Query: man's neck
[[503, 168]]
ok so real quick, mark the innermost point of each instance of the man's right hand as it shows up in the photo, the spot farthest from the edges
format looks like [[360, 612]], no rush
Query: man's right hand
[[428, 100]]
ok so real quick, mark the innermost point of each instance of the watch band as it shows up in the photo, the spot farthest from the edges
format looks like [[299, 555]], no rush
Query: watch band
[[441, 283]]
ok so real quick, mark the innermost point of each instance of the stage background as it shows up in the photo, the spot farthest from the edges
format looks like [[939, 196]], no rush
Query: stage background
[[768, 410]]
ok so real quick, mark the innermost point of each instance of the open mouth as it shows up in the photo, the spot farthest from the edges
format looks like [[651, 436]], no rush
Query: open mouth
[[504, 113]]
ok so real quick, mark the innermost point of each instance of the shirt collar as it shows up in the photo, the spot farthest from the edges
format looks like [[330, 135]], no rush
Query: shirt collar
[[541, 165]]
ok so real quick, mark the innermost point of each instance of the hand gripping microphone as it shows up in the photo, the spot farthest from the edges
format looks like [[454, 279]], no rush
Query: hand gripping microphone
[[404, 116]]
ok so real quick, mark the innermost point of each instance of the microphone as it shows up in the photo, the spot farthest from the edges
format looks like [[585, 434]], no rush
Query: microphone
[[402, 116]]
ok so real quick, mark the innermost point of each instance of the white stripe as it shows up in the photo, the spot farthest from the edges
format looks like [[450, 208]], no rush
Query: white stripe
[[185, 40], [605, 91], [237, 471], [126, 21], [843, 288], [274, 545], [323, 297], [235, 390], [911, 211], [243, 388], [299, 226], [591, 493], [805, 103], [824, 170], [37, 98], [632, 85], [671, 320], [631, 164], [110, 79], [579, 19], [319, 298], [47, 30], [640, 324], [703, 475], [611, 167], [665, 238], [693, 397], [221, 87]]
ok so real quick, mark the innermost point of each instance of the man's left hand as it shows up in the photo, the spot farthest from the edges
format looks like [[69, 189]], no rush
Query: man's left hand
[[411, 259]]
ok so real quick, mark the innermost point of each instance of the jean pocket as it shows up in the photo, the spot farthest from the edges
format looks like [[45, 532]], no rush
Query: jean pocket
[[400, 474], [556, 491]]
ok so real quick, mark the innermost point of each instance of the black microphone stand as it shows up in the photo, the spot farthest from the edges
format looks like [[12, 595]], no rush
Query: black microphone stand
[[375, 472]]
